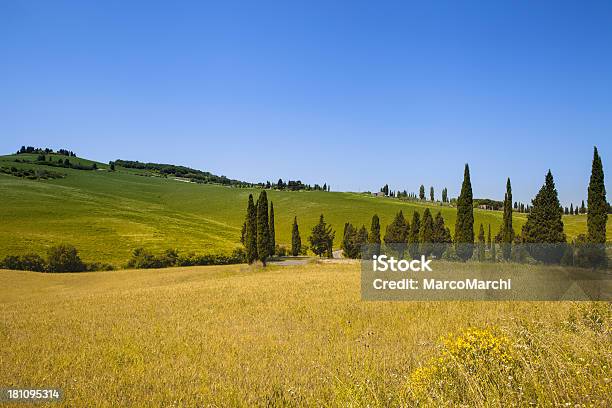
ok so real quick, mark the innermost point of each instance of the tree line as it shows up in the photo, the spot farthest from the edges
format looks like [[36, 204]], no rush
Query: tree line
[[429, 235], [46, 150], [293, 185], [413, 196], [197, 176], [544, 229]]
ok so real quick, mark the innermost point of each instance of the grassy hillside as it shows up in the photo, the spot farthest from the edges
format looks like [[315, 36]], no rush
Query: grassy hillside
[[290, 336], [108, 214]]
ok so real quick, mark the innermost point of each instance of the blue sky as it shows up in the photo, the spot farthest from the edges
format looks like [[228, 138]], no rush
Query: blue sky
[[355, 94]]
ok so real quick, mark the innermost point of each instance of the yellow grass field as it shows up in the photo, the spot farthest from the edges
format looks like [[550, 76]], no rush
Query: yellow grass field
[[291, 336]]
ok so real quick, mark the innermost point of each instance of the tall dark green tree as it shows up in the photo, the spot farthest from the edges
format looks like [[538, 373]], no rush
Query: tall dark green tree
[[349, 238], [431, 193], [361, 239], [413, 236], [507, 235], [464, 226], [263, 228], [243, 234], [544, 224], [271, 229], [422, 192], [426, 234], [321, 238], [571, 210], [481, 244], [583, 209], [396, 234], [374, 236], [251, 231], [296, 240], [441, 236], [597, 217]]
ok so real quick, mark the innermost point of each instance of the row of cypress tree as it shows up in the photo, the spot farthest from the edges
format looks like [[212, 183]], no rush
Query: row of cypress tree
[[544, 221], [258, 235], [544, 226]]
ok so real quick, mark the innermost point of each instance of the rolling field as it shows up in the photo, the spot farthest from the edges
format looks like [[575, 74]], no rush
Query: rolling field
[[108, 214], [291, 336]]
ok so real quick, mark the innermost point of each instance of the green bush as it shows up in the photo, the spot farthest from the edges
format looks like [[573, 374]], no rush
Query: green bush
[[99, 266], [143, 259], [64, 258], [28, 262]]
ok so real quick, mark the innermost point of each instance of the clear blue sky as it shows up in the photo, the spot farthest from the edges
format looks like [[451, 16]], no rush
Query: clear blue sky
[[351, 93]]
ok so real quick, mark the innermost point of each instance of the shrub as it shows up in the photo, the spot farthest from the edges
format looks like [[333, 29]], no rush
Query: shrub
[[281, 250], [143, 259], [99, 266], [64, 258], [465, 362], [28, 262]]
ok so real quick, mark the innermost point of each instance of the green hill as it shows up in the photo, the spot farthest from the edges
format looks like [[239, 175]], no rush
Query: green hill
[[107, 214]]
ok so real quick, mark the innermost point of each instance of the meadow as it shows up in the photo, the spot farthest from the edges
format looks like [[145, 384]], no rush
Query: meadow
[[106, 215], [291, 336]]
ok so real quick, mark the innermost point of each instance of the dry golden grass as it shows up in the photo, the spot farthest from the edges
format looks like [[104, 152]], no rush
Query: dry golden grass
[[286, 336]]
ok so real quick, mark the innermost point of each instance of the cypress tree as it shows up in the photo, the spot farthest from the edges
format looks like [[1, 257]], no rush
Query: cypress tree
[[426, 235], [349, 238], [422, 192], [251, 231], [507, 231], [362, 239], [296, 241], [441, 236], [396, 234], [571, 210], [481, 244], [413, 236], [263, 228], [431, 193], [464, 226], [374, 237], [597, 217], [243, 234], [544, 224], [582, 208], [271, 229], [321, 238]]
